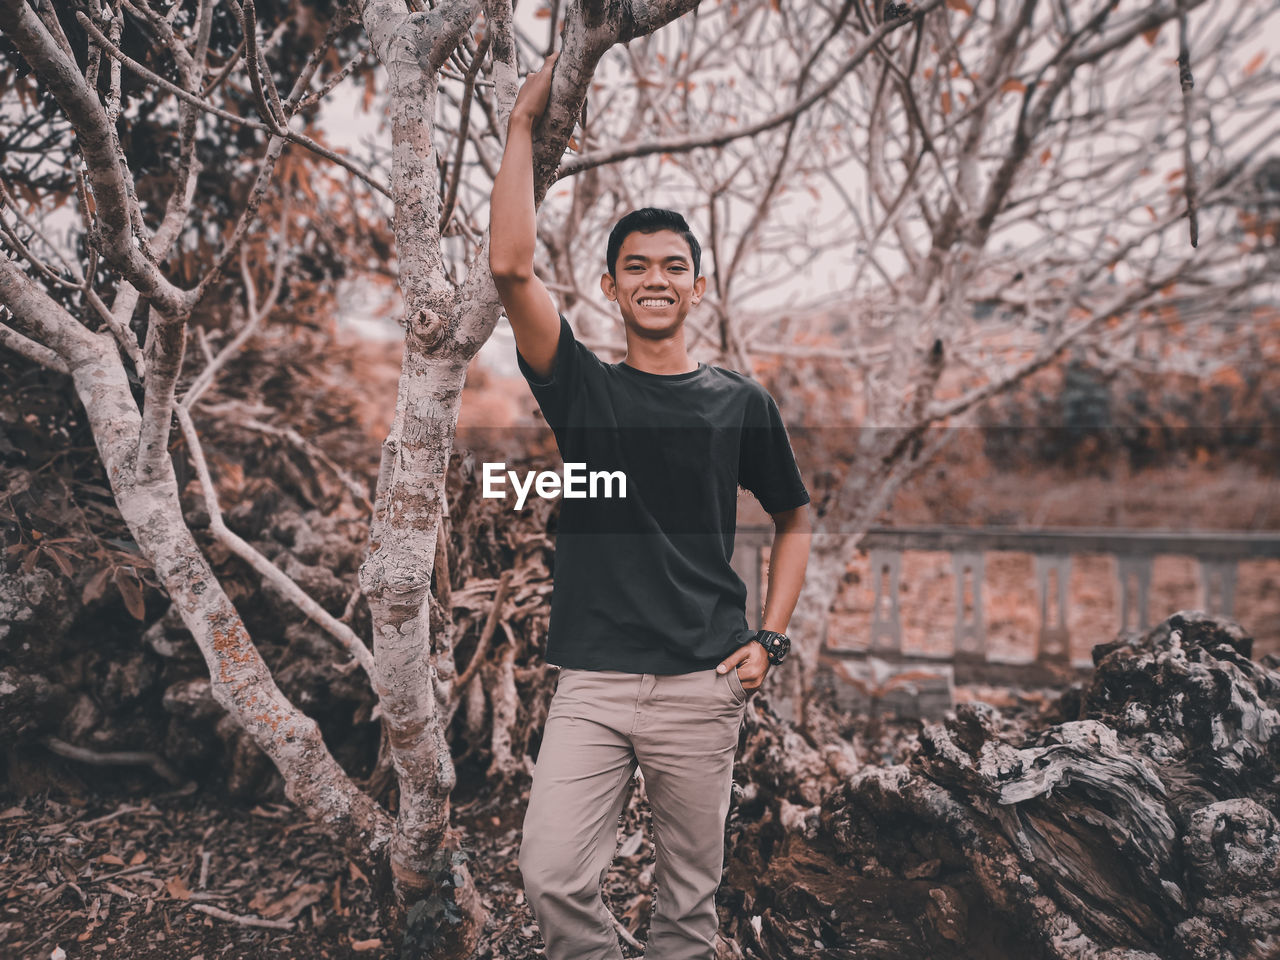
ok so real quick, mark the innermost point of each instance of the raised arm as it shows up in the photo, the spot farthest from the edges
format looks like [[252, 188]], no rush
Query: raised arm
[[513, 231]]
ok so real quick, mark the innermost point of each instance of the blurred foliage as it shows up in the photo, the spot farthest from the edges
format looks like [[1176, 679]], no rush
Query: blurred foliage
[[1082, 417]]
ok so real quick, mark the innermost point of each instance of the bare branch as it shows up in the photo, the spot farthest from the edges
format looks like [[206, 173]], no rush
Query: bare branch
[[683, 144], [166, 342], [11, 204], [40, 318], [271, 112], [465, 111], [116, 208], [114, 758], [28, 348], [22, 250], [1187, 82], [359, 495], [290, 135], [126, 299], [486, 633], [316, 96], [269, 571], [255, 318]]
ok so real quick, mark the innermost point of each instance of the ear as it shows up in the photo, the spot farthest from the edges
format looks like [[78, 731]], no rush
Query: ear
[[609, 288], [699, 287]]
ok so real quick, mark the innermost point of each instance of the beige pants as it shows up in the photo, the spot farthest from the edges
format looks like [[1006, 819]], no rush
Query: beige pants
[[682, 731]]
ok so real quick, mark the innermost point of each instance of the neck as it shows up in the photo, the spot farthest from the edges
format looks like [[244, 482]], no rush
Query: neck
[[664, 356]]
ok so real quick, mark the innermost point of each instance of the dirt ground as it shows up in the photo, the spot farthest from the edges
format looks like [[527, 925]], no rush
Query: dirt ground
[[112, 876], [93, 870]]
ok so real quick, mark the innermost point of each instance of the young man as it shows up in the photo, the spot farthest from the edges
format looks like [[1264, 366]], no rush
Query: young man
[[647, 615]]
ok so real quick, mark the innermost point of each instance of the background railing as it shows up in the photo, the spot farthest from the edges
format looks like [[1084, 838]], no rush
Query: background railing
[[970, 658]]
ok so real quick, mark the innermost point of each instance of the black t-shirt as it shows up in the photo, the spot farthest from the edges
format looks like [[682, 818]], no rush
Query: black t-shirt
[[643, 584]]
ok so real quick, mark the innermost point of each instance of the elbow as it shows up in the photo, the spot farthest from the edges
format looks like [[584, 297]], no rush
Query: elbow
[[505, 270]]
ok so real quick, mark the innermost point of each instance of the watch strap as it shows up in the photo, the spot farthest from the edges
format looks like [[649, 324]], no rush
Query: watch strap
[[777, 645]]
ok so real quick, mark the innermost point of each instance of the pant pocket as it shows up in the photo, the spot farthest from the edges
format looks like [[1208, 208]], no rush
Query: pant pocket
[[735, 686]]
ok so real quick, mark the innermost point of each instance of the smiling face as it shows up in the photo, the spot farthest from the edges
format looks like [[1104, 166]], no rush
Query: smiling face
[[654, 286]]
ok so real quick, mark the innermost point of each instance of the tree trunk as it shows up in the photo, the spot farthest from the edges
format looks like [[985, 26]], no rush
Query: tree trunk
[[1139, 827], [240, 680], [432, 889], [445, 327]]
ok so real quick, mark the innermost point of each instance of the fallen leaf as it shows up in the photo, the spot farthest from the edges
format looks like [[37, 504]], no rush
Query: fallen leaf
[[293, 903]]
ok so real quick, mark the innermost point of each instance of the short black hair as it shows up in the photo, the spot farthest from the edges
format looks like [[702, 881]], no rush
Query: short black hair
[[650, 220]]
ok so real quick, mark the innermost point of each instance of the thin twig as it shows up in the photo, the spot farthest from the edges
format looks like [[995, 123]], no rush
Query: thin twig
[[625, 933], [120, 812], [270, 112], [25, 252], [337, 78], [359, 495], [292, 136], [225, 71], [490, 624], [684, 144], [243, 921], [124, 336], [256, 317], [464, 123], [1188, 83], [12, 204], [114, 758]]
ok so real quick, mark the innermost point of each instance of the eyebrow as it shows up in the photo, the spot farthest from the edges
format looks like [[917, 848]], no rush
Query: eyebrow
[[636, 256]]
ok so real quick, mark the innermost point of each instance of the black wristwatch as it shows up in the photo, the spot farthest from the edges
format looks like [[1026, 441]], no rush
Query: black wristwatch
[[776, 644]]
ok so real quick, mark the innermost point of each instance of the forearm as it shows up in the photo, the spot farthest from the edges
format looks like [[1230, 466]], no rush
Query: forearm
[[787, 562], [512, 217]]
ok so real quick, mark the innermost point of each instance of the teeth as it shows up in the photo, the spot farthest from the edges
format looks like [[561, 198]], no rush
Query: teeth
[[655, 303]]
